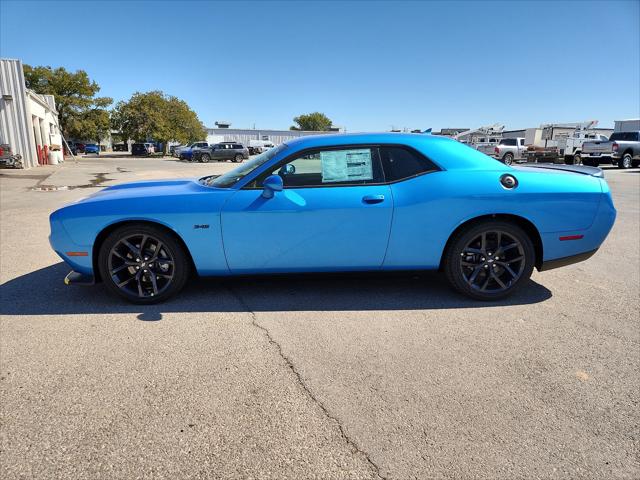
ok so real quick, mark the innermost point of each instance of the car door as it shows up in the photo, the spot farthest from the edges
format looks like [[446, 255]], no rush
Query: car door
[[521, 148], [218, 153], [333, 214]]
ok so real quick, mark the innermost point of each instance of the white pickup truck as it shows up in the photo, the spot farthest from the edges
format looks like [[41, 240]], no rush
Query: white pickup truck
[[510, 150]]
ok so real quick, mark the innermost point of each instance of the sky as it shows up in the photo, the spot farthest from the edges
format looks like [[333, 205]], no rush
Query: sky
[[369, 66]]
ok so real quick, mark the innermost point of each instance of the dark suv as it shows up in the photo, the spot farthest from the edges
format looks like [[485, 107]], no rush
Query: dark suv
[[222, 152], [139, 149]]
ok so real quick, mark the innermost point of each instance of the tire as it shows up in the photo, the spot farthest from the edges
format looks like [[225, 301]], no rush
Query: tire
[[123, 268], [577, 159], [626, 161], [508, 158], [204, 158], [238, 158], [468, 271]]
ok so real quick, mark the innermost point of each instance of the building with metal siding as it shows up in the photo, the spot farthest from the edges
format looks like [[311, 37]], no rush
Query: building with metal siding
[[28, 121], [216, 135]]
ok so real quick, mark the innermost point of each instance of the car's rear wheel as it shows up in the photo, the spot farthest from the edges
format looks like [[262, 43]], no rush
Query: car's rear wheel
[[489, 260], [508, 158], [143, 264], [204, 158], [238, 158], [626, 161]]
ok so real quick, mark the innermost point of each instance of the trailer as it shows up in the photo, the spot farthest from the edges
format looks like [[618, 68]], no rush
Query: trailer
[[566, 148]]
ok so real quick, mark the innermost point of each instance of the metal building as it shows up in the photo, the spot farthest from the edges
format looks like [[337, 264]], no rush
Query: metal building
[[216, 135], [28, 121]]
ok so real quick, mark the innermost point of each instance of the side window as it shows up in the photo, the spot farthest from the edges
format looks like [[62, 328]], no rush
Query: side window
[[400, 163], [352, 166], [522, 141]]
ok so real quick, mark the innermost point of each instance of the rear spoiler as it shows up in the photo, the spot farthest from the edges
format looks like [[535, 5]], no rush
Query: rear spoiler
[[582, 169]]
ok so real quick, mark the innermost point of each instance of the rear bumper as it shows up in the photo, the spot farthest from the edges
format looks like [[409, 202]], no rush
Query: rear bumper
[[564, 261], [606, 157]]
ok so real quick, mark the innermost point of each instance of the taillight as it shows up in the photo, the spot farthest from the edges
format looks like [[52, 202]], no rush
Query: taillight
[[614, 147], [496, 150], [1, 151]]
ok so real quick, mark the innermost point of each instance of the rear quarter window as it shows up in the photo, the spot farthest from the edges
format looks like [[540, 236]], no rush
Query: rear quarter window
[[400, 163]]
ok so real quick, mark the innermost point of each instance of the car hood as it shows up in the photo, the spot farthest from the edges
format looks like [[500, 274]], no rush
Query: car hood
[[150, 188]]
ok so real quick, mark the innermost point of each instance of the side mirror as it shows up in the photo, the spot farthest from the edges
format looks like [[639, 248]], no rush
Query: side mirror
[[271, 185], [288, 169]]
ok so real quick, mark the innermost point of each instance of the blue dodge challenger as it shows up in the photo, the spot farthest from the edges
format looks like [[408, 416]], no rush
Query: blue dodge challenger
[[339, 203]]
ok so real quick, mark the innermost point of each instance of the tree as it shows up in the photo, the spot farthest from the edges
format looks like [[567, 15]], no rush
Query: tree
[[156, 116], [82, 114], [316, 121]]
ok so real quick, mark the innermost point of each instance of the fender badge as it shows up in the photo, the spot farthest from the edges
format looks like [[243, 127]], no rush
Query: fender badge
[[204, 225]]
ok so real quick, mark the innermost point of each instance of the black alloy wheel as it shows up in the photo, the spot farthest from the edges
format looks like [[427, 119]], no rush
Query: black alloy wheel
[[490, 260], [143, 264]]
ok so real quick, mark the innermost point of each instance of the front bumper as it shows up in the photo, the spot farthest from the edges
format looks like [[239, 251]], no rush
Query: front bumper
[[78, 257], [77, 278]]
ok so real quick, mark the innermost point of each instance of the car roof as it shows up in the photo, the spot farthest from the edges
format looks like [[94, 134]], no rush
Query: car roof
[[448, 153]]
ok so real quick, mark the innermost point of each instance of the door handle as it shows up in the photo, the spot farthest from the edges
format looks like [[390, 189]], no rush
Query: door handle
[[373, 199]]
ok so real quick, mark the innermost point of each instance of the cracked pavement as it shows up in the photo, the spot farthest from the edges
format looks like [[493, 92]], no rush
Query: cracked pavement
[[389, 376]]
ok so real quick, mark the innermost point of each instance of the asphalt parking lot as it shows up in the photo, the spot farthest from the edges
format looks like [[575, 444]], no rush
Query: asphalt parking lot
[[312, 377]]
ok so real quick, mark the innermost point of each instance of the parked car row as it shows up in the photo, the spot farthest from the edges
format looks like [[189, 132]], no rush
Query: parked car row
[[204, 151], [78, 147], [221, 152], [621, 149]]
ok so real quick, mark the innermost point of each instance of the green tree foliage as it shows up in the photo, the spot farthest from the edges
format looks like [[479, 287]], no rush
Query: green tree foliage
[[316, 121], [82, 114], [154, 115]]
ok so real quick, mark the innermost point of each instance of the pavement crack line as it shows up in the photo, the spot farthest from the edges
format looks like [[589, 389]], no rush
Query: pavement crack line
[[352, 443]]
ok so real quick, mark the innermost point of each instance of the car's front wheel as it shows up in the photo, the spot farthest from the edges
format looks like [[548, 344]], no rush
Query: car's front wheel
[[143, 264], [489, 260]]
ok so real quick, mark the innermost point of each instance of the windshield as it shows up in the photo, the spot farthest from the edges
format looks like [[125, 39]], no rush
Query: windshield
[[230, 178]]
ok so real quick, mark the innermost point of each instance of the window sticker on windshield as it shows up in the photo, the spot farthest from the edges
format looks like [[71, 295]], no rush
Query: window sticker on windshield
[[346, 165]]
